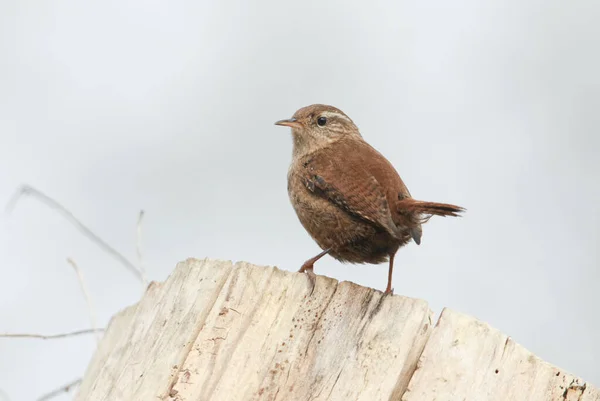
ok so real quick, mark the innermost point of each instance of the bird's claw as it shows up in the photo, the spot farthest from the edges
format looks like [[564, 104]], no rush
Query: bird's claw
[[312, 277]]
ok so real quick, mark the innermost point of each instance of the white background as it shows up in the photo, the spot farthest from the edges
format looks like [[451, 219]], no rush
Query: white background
[[115, 106]]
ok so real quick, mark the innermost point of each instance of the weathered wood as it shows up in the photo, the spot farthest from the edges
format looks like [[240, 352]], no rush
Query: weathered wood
[[466, 359], [144, 344], [217, 331]]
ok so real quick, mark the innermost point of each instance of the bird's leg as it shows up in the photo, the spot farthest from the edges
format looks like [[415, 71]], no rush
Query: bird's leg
[[389, 290], [308, 266]]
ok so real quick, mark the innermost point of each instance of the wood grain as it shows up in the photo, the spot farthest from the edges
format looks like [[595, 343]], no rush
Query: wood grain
[[217, 331], [466, 359]]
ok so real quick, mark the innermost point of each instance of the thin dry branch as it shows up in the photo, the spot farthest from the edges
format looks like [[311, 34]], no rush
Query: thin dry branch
[[63, 389], [50, 336], [86, 295], [139, 272], [29, 190], [4, 396], [138, 248]]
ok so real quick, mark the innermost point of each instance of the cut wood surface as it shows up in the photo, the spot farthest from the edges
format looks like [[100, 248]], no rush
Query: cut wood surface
[[217, 331]]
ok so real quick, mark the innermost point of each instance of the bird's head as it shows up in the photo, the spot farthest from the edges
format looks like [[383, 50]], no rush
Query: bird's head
[[318, 125]]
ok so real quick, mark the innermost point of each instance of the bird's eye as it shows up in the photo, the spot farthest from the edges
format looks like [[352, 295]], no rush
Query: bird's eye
[[321, 121]]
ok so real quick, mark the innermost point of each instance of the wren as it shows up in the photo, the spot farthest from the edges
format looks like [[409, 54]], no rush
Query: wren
[[347, 195]]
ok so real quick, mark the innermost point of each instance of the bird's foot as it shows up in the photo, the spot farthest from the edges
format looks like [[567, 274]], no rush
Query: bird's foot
[[388, 291]]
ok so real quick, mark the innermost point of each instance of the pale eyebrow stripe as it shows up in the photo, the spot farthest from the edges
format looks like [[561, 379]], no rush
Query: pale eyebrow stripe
[[334, 114]]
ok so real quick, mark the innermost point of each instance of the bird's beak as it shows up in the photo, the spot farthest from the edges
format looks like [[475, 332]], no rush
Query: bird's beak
[[290, 122]]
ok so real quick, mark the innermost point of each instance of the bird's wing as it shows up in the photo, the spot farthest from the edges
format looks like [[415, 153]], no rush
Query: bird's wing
[[345, 180]]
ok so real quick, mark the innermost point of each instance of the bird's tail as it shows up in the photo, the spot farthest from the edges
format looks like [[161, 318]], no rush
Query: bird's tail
[[410, 205], [419, 212]]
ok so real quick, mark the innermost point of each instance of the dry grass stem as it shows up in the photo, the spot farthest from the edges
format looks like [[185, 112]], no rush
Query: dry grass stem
[[51, 336], [86, 295], [138, 248], [4, 396], [28, 190], [64, 389]]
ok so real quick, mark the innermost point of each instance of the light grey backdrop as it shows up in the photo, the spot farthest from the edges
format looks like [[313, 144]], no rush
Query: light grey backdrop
[[114, 106]]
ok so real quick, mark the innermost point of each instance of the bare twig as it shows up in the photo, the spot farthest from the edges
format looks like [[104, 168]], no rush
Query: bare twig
[[64, 389], [138, 248], [50, 336], [28, 190], [4, 396], [86, 295]]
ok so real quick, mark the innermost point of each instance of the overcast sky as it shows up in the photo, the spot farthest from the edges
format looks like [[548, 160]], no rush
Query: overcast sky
[[115, 106]]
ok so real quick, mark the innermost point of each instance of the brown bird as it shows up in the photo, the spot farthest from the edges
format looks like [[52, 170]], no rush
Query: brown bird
[[348, 196]]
